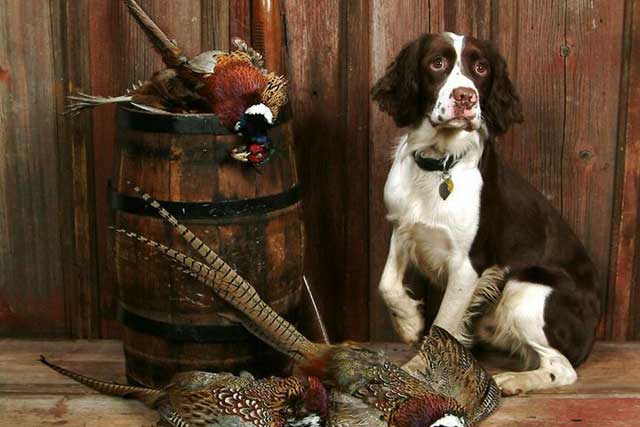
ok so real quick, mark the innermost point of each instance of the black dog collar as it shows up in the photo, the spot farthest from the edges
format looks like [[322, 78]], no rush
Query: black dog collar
[[430, 164], [443, 166]]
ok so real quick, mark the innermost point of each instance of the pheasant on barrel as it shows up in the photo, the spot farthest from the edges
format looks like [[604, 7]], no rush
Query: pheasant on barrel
[[450, 390], [235, 86]]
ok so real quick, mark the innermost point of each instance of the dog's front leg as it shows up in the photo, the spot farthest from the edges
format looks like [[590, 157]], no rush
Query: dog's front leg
[[461, 285], [405, 314]]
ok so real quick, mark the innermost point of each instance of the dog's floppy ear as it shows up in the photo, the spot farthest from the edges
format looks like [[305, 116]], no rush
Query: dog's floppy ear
[[501, 108], [398, 91]]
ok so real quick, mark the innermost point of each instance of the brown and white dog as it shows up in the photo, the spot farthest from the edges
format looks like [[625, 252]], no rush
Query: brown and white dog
[[458, 211]]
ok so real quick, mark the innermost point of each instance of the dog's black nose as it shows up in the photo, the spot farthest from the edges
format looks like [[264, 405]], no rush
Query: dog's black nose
[[465, 96]]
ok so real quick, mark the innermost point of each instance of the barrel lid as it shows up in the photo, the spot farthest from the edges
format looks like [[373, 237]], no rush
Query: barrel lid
[[130, 118]]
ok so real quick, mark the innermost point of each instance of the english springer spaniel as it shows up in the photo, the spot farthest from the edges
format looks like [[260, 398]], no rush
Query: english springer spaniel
[[470, 223]]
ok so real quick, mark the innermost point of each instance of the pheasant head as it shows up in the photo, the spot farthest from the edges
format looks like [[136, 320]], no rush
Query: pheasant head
[[315, 397]]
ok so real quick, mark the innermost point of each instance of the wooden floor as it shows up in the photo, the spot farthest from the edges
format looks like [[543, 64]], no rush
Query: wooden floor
[[607, 393]]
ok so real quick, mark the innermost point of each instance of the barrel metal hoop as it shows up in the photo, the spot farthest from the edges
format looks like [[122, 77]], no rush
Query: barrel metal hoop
[[181, 332], [194, 124], [208, 210]]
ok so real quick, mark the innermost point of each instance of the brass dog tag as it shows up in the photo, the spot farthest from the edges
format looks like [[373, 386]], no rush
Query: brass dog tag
[[446, 187]]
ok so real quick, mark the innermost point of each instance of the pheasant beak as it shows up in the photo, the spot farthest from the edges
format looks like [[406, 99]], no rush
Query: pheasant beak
[[240, 154]]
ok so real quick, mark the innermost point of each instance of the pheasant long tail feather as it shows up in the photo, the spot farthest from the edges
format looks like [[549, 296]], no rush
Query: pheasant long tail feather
[[256, 315], [81, 101], [147, 395], [171, 55], [171, 417]]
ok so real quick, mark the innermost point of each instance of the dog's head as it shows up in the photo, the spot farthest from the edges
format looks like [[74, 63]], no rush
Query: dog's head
[[453, 82]]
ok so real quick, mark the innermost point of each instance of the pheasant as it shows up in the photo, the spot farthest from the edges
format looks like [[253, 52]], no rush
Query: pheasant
[[235, 86], [222, 399], [451, 389]]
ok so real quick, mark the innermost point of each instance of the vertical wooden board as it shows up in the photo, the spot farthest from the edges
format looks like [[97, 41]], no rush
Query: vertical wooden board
[[215, 24], [103, 48], [392, 27], [32, 301], [313, 71], [120, 56], [76, 162], [594, 39], [532, 40], [355, 33], [179, 20], [504, 32], [624, 291], [240, 20], [633, 170], [468, 17]]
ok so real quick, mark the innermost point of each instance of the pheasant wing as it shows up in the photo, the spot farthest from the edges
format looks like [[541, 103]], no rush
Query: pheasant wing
[[196, 380], [205, 62], [451, 370], [226, 405]]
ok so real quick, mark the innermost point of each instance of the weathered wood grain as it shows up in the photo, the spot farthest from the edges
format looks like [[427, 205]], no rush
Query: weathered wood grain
[[76, 163], [505, 27], [633, 168], [32, 394], [32, 300], [21, 371], [75, 411], [104, 25], [354, 77], [624, 290], [580, 411], [571, 61], [240, 20], [469, 17], [536, 147], [594, 36], [313, 33], [215, 25]]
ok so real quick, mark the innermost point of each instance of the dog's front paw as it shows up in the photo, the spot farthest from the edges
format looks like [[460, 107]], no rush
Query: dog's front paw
[[512, 383], [408, 321]]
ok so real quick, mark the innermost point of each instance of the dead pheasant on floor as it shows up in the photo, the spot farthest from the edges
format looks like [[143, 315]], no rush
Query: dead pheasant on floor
[[451, 389], [223, 399], [235, 86]]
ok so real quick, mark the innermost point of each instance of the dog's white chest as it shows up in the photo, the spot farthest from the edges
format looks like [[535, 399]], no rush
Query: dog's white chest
[[440, 232]]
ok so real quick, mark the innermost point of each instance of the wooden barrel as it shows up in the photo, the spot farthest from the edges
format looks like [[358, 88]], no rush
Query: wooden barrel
[[251, 217]]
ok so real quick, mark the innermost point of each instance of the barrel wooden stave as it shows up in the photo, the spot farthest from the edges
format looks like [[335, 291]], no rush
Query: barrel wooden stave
[[266, 248]]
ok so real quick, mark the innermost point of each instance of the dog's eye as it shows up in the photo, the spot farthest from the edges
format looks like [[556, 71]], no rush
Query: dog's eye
[[439, 63], [480, 68]]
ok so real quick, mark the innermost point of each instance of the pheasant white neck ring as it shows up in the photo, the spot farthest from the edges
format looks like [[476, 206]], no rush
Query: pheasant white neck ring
[[449, 421]]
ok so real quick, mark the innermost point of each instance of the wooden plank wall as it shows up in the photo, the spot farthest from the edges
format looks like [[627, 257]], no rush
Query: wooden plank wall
[[574, 62]]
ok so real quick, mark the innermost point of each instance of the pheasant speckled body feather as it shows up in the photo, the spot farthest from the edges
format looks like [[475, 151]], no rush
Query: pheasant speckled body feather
[[400, 398], [349, 411], [220, 399], [449, 369]]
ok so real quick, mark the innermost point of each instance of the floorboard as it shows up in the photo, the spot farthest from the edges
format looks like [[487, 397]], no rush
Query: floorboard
[[606, 394]]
